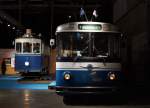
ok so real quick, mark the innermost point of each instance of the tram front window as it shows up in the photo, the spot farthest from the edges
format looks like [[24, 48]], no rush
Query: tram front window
[[36, 47], [18, 47], [88, 46], [27, 47]]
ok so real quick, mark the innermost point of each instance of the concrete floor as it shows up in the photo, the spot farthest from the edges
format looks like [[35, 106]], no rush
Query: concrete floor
[[48, 99], [28, 95]]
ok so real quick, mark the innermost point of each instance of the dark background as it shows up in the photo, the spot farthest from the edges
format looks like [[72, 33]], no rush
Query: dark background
[[43, 16]]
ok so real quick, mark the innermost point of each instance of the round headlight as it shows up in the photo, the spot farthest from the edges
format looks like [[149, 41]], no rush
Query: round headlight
[[26, 63], [67, 76], [111, 76]]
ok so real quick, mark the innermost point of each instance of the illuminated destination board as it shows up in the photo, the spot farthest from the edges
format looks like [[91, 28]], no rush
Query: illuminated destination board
[[89, 27]]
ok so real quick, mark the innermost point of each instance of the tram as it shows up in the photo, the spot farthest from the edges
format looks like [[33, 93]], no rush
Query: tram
[[32, 55], [88, 58]]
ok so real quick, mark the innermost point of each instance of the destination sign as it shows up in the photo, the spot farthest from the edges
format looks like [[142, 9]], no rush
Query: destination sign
[[89, 27]]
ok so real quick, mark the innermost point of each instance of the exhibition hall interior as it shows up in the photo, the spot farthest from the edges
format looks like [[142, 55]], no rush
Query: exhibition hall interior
[[74, 53]]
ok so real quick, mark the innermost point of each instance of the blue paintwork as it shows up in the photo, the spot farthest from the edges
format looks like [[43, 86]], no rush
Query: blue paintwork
[[35, 63], [85, 78]]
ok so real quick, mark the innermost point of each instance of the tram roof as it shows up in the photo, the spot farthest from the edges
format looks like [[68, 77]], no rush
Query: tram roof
[[87, 27], [26, 36]]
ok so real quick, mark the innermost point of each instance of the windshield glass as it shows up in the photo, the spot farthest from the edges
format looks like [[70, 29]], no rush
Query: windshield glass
[[27, 47], [88, 45]]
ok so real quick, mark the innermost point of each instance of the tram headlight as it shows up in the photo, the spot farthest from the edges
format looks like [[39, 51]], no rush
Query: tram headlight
[[26, 63], [67, 76], [111, 76]]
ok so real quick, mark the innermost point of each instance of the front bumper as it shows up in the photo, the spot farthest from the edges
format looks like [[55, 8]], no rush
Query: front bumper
[[87, 90]]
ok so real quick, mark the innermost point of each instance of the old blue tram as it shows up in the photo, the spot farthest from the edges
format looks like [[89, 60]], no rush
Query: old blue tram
[[32, 55], [88, 58]]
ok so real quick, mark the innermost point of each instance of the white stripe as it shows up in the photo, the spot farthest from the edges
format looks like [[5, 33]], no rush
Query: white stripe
[[27, 54], [83, 65], [63, 69]]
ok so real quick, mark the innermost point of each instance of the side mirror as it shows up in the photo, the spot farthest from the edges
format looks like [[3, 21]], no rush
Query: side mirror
[[52, 42]]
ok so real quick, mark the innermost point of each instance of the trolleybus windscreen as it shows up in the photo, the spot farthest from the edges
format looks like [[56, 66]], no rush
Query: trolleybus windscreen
[[89, 27], [97, 45]]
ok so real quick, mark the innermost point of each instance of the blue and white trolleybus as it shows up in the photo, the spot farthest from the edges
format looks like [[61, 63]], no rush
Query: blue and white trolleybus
[[88, 58]]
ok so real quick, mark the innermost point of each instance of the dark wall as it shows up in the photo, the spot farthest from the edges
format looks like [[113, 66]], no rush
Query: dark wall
[[7, 35], [132, 16]]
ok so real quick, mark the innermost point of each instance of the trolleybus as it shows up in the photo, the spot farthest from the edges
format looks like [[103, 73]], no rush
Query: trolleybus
[[88, 59]]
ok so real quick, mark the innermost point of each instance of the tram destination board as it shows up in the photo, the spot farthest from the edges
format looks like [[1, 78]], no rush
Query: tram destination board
[[89, 27]]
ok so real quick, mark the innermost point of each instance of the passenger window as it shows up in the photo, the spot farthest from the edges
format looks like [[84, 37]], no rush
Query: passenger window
[[18, 47], [36, 47]]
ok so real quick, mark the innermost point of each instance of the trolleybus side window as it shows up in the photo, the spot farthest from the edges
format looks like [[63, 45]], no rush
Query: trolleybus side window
[[18, 47], [36, 47], [27, 47], [114, 46]]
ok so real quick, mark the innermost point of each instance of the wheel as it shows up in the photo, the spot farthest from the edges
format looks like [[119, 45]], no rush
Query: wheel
[[67, 100]]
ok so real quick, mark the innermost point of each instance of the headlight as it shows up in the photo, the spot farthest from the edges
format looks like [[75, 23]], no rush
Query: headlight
[[111, 76], [26, 63], [67, 76]]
